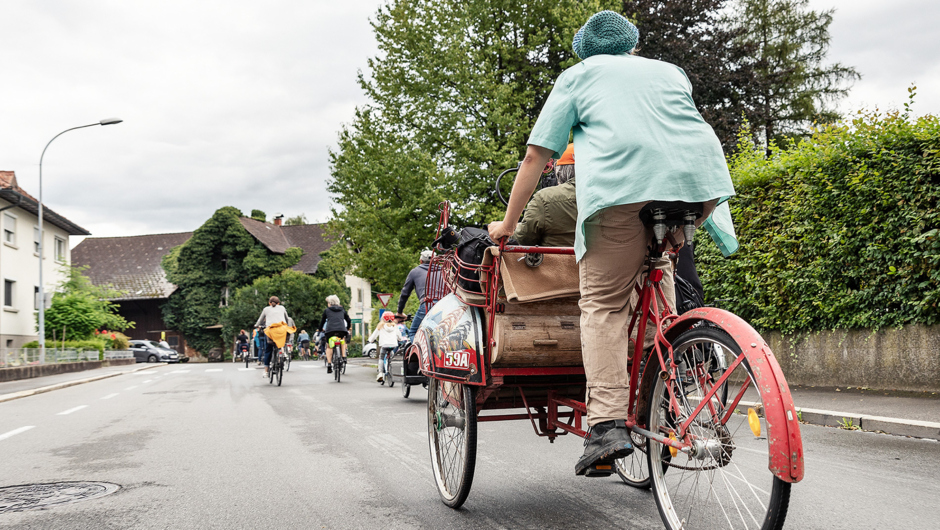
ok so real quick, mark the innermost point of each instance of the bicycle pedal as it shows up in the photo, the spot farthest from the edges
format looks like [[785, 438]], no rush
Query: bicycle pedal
[[599, 470]]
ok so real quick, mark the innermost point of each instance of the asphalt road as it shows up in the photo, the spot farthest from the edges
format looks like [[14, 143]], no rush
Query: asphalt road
[[215, 446]]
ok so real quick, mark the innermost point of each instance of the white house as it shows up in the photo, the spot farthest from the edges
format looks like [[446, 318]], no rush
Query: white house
[[19, 259]]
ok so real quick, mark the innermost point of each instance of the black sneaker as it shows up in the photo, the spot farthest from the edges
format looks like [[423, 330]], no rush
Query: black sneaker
[[329, 368], [606, 442]]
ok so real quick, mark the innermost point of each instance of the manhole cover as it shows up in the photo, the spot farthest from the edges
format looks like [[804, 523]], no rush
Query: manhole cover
[[38, 496]]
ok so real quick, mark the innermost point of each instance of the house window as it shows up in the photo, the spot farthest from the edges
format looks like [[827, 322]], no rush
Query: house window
[[9, 229], [60, 250], [36, 239], [36, 298], [359, 295], [8, 287]]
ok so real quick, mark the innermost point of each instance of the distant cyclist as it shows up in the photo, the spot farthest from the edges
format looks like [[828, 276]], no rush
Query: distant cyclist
[[304, 344], [335, 323], [388, 334], [416, 281], [241, 343]]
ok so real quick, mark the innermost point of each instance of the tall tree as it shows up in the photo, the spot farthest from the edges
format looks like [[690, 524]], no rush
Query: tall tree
[[792, 86], [454, 92], [693, 35]]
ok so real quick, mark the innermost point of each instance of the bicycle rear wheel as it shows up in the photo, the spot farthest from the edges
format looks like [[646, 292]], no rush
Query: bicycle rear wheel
[[337, 363], [452, 436], [633, 470], [725, 481], [280, 371]]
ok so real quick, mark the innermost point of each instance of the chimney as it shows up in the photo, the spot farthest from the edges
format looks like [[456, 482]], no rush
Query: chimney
[[278, 220]]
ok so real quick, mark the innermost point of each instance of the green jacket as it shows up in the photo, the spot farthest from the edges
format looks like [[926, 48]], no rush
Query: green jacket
[[550, 217]]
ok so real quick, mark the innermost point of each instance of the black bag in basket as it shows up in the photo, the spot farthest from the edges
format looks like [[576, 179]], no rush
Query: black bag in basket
[[470, 249]]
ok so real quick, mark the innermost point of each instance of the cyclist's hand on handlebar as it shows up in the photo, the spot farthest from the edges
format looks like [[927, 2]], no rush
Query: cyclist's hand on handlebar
[[498, 229]]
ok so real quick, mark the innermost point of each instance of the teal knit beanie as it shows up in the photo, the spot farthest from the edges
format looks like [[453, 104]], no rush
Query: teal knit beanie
[[606, 33]]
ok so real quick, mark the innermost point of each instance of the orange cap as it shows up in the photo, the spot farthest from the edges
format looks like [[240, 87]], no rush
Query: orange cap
[[567, 158]]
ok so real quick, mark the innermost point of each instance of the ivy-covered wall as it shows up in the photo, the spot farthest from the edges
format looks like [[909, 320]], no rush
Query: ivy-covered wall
[[841, 231], [221, 254]]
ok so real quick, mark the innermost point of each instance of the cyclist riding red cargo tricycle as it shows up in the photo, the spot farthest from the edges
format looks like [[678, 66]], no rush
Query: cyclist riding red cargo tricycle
[[712, 415]]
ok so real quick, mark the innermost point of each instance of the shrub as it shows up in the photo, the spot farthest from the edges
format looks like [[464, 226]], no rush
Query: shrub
[[839, 231], [79, 345]]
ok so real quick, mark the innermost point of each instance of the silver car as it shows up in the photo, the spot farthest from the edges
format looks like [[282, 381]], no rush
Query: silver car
[[148, 351]]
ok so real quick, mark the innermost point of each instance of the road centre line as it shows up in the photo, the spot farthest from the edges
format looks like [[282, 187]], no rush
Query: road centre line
[[214, 370], [109, 396], [147, 381], [180, 372], [246, 369], [71, 410], [131, 387], [14, 432]]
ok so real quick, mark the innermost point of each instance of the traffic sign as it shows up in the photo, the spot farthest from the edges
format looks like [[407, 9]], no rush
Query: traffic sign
[[384, 298], [356, 321]]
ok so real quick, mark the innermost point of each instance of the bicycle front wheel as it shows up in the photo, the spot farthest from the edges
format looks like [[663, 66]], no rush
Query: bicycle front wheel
[[725, 480], [452, 435]]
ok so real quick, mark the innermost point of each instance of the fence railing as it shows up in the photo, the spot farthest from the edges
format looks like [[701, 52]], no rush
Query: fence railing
[[13, 357], [118, 354]]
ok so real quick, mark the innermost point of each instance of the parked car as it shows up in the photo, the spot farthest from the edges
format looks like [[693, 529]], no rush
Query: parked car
[[148, 351]]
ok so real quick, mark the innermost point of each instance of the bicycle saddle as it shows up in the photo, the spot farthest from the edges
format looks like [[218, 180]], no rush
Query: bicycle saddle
[[670, 215]]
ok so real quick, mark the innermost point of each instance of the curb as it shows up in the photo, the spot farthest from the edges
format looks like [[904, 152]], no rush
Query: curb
[[57, 386], [854, 421]]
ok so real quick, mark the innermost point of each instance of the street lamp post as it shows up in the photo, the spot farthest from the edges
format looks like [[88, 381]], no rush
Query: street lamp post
[[42, 289]]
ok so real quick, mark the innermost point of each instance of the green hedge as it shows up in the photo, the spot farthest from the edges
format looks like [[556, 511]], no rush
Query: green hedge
[[79, 345], [837, 232]]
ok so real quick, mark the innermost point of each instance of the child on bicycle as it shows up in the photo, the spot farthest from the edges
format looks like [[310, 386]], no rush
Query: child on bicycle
[[639, 138], [389, 335]]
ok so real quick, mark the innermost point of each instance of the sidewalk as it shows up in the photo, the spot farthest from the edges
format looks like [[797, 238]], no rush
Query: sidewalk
[[899, 413], [27, 387]]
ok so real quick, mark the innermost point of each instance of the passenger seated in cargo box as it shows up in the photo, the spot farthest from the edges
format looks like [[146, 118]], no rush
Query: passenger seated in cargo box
[[552, 213]]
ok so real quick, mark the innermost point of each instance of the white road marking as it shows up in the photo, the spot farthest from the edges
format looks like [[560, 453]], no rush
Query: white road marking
[[71, 410], [140, 372], [147, 381], [246, 369], [14, 432], [131, 387], [214, 370], [109, 396], [180, 372]]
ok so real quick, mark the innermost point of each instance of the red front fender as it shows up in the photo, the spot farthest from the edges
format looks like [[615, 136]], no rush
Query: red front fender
[[783, 425]]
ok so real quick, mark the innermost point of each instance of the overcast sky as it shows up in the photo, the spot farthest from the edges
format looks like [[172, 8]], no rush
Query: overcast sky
[[236, 102]]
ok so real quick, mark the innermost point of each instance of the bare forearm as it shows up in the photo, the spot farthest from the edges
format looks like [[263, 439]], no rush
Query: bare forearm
[[526, 179]]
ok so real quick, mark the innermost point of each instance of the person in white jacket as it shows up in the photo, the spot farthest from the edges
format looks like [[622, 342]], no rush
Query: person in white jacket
[[388, 334]]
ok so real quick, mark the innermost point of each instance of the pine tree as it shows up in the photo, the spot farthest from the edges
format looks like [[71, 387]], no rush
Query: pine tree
[[792, 87]]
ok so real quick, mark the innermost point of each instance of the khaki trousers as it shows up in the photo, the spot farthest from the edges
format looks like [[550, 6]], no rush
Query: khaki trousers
[[616, 243]]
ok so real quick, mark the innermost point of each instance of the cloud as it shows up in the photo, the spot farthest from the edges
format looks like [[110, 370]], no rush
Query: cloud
[[225, 103]]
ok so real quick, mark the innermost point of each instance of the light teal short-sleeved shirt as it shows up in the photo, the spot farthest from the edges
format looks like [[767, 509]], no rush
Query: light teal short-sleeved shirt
[[637, 136]]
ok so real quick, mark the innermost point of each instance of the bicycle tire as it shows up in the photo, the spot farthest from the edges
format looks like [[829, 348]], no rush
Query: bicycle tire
[[452, 437], [337, 363], [405, 390], [701, 489], [633, 470], [280, 372]]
